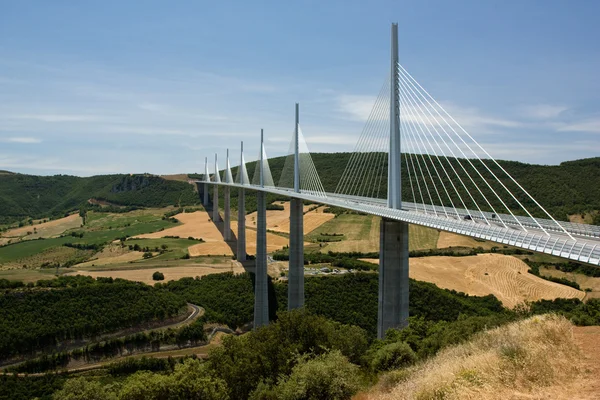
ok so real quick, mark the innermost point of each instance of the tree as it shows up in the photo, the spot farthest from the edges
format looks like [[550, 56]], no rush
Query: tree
[[158, 276], [83, 389]]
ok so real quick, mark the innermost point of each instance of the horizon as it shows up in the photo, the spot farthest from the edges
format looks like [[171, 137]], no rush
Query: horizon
[[114, 88]]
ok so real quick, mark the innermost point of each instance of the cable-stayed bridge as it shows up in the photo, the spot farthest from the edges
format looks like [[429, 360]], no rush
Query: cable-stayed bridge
[[413, 164]]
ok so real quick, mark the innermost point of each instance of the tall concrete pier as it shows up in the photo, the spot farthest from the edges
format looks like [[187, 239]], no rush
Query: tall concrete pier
[[206, 179], [261, 289], [227, 202], [217, 178], [241, 233], [393, 252], [296, 255]]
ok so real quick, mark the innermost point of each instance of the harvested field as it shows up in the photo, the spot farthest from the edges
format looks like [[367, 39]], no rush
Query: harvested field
[[171, 273], [583, 280], [112, 255], [197, 225], [505, 277], [45, 229], [279, 220], [447, 239]]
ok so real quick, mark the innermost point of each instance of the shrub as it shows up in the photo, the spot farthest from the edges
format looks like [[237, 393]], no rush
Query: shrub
[[158, 276], [393, 356]]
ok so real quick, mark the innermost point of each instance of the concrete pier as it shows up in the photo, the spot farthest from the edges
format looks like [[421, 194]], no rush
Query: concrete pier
[[296, 263], [205, 200], [241, 233], [393, 276], [215, 213], [227, 214], [261, 289]]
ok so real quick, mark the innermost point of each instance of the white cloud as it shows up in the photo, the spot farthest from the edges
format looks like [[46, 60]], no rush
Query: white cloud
[[591, 125], [26, 140], [56, 117], [543, 111], [356, 107]]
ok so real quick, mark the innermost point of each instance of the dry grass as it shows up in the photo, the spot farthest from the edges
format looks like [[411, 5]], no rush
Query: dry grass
[[170, 273], [279, 220], [448, 239], [505, 277], [526, 359], [583, 280], [45, 230]]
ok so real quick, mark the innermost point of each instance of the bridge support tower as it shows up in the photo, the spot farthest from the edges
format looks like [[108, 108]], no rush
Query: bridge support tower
[[296, 250], [393, 251], [216, 216], [241, 233], [261, 288], [206, 179], [227, 203]]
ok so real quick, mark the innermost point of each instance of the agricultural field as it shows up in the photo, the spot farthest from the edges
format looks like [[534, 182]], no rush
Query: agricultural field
[[279, 220], [353, 232], [586, 282], [505, 277]]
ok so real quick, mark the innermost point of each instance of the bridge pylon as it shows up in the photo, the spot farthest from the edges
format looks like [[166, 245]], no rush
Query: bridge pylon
[[227, 202], [241, 233], [393, 251], [206, 179], [296, 250], [261, 289], [217, 178]]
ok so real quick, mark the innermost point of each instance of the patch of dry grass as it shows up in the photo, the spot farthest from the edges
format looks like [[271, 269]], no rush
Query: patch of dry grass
[[520, 360]]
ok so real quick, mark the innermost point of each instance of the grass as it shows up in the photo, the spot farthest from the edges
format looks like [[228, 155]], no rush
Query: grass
[[521, 359], [422, 238], [354, 227], [30, 275], [97, 220], [97, 232], [176, 248]]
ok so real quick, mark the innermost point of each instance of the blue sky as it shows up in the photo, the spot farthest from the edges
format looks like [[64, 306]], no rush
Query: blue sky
[[93, 87]]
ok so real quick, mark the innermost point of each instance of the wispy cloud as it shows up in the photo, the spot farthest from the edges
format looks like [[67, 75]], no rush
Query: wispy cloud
[[25, 140], [591, 125], [543, 111], [55, 117]]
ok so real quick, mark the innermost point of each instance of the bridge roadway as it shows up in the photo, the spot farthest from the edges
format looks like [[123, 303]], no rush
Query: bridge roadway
[[583, 247]]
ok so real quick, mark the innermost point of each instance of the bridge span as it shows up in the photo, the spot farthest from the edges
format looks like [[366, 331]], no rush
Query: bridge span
[[459, 192]]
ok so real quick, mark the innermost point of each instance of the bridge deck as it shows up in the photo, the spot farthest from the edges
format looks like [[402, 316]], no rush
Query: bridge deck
[[525, 234]]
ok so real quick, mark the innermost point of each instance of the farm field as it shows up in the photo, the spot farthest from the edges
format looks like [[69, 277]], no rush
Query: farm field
[[586, 282], [44, 230], [279, 220], [447, 239], [170, 273], [505, 277], [361, 233]]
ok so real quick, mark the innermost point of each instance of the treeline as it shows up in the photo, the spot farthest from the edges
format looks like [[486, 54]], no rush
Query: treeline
[[188, 335], [338, 257], [52, 196], [349, 299], [34, 319]]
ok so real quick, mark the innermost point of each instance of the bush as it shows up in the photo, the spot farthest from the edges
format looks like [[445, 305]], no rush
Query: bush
[[158, 276], [393, 356], [329, 376], [147, 254]]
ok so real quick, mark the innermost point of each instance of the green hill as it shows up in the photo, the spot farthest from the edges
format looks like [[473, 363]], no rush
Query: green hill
[[23, 196]]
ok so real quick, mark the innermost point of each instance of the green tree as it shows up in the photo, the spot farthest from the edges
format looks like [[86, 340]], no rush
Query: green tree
[[328, 376], [158, 276], [83, 389]]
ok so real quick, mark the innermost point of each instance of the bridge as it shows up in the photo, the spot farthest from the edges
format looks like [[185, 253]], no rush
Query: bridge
[[455, 186]]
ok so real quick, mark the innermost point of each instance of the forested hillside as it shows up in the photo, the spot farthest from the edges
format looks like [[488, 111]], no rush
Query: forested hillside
[[573, 187], [43, 196]]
